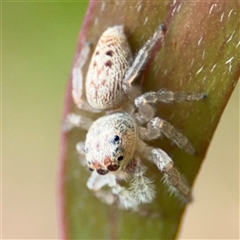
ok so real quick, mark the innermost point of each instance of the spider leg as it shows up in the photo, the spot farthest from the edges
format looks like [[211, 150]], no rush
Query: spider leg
[[172, 178], [146, 111], [141, 59], [157, 126], [167, 97], [171, 133], [81, 153], [141, 188], [74, 120], [96, 182], [78, 94], [78, 88]]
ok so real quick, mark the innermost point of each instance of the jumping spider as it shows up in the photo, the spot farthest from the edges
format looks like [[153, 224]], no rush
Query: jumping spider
[[114, 143]]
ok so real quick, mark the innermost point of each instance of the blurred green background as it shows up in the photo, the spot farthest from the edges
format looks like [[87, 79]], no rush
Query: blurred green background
[[38, 44]]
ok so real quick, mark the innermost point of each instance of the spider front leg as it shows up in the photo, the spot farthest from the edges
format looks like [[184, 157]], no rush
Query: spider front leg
[[172, 178]]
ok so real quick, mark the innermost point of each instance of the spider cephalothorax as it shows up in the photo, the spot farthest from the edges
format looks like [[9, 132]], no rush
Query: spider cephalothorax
[[111, 151]]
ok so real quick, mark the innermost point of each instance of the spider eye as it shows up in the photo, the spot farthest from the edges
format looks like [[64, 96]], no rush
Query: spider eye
[[102, 171], [113, 167], [91, 169], [120, 158], [116, 139]]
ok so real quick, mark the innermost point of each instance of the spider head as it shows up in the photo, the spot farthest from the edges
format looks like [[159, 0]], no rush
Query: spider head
[[110, 143]]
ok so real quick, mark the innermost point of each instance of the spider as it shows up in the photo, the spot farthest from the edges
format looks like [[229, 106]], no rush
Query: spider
[[115, 142]]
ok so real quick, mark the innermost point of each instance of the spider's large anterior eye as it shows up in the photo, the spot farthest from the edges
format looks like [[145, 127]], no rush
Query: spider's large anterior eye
[[113, 167], [102, 171]]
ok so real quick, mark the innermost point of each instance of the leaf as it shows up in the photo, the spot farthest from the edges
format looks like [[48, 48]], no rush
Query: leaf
[[200, 53]]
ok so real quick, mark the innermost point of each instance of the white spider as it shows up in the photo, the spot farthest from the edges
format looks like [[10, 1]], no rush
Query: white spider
[[114, 143]]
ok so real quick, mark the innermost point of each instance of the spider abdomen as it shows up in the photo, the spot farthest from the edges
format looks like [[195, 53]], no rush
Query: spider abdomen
[[107, 68]]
